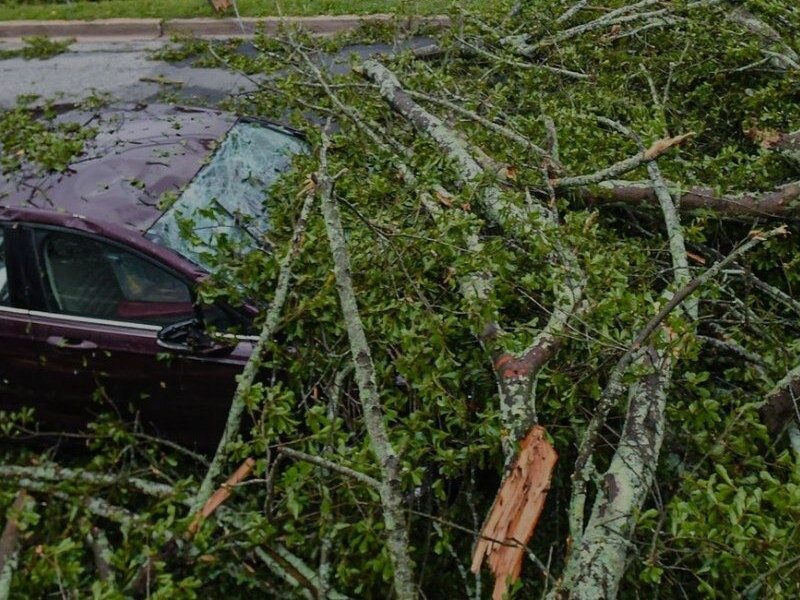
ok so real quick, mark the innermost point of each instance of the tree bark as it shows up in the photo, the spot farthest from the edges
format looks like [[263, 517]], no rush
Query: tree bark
[[254, 362], [388, 461], [781, 203], [9, 543], [598, 562], [782, 405]]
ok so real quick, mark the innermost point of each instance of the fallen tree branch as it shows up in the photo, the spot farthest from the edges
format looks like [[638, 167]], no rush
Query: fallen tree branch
[[521, 44], [471, 48], [497, 208], [571, 11], [496, 127], [333, 466], [39, 480], [254, 361], [596, 563], [9, 543], [101, 552], [57, 473], [619, 168], [388, 461], [595, 566], [783, 202], [781, 404], [672, 223], [770, 290], [615, 386]]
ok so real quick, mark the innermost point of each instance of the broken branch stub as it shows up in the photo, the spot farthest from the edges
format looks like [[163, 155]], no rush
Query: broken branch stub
[[516, 511], [221, 5], [221, 495]]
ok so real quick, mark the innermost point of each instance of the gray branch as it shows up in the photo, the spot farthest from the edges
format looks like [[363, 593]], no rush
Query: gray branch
[[388, 461], [253, 365]]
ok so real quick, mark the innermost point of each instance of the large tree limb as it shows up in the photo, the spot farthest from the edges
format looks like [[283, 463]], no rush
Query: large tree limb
[[781, 203], [388, 461], [515, 373], [495, 205], [598, 561], [9, 543], [254, 362], [596, 564], [614, 386]]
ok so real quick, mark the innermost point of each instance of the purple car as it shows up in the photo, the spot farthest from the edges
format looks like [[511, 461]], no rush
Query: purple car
[[97, 272]]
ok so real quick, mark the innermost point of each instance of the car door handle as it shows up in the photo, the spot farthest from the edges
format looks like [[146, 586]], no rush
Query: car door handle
[[70, 343]]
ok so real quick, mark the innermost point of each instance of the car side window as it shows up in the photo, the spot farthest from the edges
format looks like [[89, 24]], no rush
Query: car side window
[[91, 278], [5, 296]]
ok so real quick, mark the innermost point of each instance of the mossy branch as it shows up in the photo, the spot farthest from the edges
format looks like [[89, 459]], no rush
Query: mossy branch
[[388, 461]]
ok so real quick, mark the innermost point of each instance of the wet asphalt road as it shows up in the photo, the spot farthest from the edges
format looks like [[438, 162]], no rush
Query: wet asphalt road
[[125, 70]]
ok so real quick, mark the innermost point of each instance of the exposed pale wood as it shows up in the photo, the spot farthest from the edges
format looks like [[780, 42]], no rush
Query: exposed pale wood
[[516, 511], [221, 5], [221, 495]]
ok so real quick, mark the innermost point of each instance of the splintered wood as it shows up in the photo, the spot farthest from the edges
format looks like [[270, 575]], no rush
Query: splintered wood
[[516, 510], [221, 495], [221, 5]]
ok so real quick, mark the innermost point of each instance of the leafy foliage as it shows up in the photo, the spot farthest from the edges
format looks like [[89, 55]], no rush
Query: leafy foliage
[[723, 519], [31, 136], [38, 46]]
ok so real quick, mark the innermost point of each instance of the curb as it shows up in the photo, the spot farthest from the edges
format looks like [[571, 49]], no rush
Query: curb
[[150, 29]]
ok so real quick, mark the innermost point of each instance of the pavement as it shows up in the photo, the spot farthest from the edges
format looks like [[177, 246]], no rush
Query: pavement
[[122, 69], [125, 70]]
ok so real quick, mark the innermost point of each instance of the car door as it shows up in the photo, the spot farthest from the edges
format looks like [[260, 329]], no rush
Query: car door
[[101, 307], [104, 305], [19, 363]]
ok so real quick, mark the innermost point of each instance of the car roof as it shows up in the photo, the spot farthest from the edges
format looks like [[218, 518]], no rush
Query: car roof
[[139, 153]]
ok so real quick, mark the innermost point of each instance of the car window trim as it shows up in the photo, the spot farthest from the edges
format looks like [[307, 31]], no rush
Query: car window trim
[[14, 310], [78, 319], [93, 321], [15, 247]]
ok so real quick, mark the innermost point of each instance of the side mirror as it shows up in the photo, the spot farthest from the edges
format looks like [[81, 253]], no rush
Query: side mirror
[[189, 337]]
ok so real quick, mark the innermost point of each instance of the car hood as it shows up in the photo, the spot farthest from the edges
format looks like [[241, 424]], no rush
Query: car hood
[[139, 153]]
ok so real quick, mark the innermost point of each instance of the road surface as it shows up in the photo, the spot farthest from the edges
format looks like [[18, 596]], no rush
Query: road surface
[[126, 71]]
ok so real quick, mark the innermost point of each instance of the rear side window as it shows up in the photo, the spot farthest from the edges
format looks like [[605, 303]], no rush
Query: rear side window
[[90, 278], [5, 296]]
